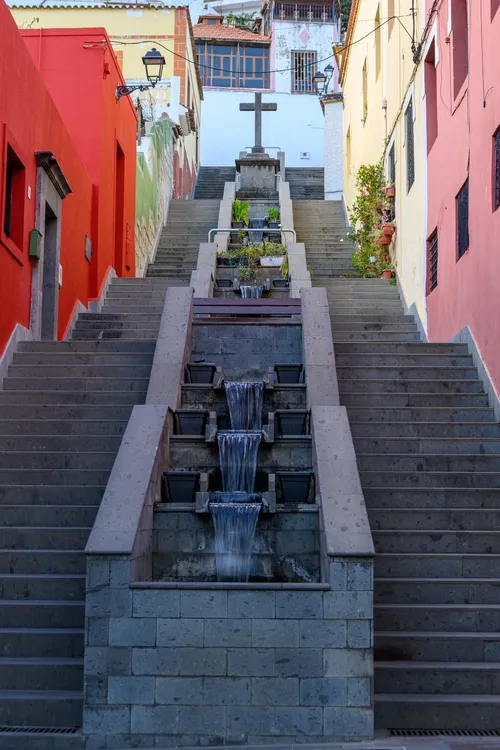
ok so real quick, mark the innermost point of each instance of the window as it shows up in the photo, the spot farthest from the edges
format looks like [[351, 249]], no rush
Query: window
[[410, 146], [303, 69], [391, 165], [460, 38], [365, 91], [13, 208], [431, 96], [348, 151], [233, 65], [495, 5], [432, 256], [463, 219], [496, 170], [378, 43], [391, 12]]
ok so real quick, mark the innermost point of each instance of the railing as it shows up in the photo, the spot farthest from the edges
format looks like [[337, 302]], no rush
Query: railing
[[303, 12], [232, 230]]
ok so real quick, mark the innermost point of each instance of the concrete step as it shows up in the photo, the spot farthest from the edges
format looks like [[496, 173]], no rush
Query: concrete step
[[15, 409], [94, 359], [46, 613], [386, 433], [458, 519], [43, 537], [92, 334], [56, 443], [384, 359], [453, 712], [438, 677], [418, 399], [40, 561], [130, 371], [385, 335], [388, 496], [124, 323], [39, 587], [97, 347], [437, 647], [448, 618], [436, 541], [413, 590], [406, 373], [48, 515], [109, 401], [57, 460], [428, 479], [42, 708], [64, 643], [394, 385], [104, 431], [430, 445], [441, 565], [54, 476], [408, 414], [428, 462], [88, 384], [38, 673]]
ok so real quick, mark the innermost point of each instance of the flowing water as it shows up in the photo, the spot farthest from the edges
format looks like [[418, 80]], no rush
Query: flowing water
[[251, 292], [257, 237], [234, 510]]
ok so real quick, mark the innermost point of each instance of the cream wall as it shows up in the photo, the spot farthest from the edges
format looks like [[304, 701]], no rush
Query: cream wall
[[366, 140]]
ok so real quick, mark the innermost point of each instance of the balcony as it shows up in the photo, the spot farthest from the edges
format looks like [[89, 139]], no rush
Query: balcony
[[303, 12]]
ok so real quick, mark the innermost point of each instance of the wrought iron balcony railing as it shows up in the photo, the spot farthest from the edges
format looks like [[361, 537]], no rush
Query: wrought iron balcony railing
[[303, 12]]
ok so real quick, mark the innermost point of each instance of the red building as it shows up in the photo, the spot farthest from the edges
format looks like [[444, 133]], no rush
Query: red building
[[67, 176]]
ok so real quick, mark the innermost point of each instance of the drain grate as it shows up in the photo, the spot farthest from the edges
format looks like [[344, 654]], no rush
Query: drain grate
[[446, 733], [39, 730]]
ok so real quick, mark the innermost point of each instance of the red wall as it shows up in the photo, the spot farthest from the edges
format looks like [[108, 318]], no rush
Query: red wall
[[29, 117], [84, 91], [468, 290]]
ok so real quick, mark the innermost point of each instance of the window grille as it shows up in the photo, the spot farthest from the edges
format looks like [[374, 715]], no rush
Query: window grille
[[237, 66], [303, 69], [497, 170], [463, 219], [309, 13], [410, 146], [433, 260], [391, 165]]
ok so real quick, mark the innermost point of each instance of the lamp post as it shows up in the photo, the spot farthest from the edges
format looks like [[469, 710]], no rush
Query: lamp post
[[321, 80], [154, 62]]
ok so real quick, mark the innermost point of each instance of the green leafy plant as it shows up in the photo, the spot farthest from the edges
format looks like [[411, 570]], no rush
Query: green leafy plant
[[241, 212], [272, 249], [273, 215], [285, 268], [247, 274]]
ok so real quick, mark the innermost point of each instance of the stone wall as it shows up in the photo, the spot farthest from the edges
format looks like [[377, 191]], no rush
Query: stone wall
[[238, 664]]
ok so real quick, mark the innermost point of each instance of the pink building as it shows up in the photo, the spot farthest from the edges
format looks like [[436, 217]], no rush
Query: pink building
[[462, 81]]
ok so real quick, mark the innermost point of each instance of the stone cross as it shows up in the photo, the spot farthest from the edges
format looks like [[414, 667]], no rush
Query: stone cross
[[258, 108]]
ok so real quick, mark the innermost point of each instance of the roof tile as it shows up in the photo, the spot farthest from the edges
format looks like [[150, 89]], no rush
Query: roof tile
[[227, 33]]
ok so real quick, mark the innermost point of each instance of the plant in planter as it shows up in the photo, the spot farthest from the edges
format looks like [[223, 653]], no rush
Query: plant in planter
[[390, 191], [247, 275], [273, 218], [241, 217], [272, 255], [284, 268]]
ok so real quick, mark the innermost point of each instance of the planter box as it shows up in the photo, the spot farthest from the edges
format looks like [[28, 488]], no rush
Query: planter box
[[288, 374], [271, 261], [281, 283], [295, 486], [273, 225], [191, 422], [292, 422], [201, 374], [180, 486], [224, 283]]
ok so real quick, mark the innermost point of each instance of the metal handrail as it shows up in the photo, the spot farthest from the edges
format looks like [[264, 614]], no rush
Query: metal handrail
[[261, 230]]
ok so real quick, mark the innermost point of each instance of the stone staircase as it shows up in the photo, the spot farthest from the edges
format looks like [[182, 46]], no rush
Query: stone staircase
[[428, 451], [188, 224], [63, 411], [322, 226], [306, 183], [211, 180]]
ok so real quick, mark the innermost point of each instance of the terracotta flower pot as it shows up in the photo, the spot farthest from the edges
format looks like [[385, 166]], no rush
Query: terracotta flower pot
[[387, 274], [390, 191], [389, 229], [384, 239]]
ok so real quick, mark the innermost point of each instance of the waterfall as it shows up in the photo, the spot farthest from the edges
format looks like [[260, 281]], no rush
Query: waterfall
[[251, 292], [257, 237], [238, 459], [234, 525], [235, 510], [245, 405]]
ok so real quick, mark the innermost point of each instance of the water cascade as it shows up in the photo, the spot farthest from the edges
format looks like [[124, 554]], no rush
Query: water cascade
[[235, 510], [257, 237], [251, 292]]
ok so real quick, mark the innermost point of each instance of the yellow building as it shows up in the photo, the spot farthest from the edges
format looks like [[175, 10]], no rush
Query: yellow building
[[135, 28], [384, 117]]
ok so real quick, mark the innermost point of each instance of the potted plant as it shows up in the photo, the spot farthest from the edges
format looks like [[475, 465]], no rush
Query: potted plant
[[287, 374], [191, 422], [390, 191], [295, 486], [200, 373], [241, 217], [273, 218], [384, 239], [180, 486], [387, 273], [272, 255], [292, 422]]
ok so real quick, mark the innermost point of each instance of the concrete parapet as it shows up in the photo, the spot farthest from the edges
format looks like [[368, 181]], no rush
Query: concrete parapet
[[300, 278], [286, 206], [172, 348], [319, 355], [203, 277], [225, 215]]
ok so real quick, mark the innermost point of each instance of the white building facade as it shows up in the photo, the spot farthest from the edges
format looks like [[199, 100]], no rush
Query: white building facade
[[294, 42]]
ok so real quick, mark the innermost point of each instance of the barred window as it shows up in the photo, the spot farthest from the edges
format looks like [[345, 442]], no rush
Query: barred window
[[237, 66], [463, 219], [303, 70], [432, 254], [410, 146]]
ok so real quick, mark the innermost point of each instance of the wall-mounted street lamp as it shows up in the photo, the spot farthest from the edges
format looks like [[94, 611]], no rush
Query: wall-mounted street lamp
[[153, 61], [321, 80]]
